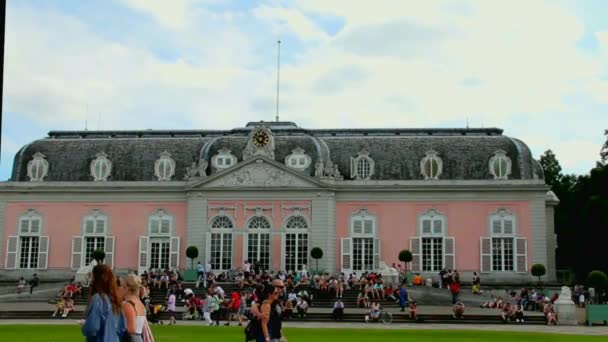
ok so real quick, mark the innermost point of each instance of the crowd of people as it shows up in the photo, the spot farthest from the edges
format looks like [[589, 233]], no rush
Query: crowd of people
[[512, 306]]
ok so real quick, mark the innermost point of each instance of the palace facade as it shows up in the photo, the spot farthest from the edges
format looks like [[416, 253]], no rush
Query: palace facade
[[466, 199]]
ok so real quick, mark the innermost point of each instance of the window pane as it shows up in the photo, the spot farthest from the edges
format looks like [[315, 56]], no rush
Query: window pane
[[508, 226], [89, 226], [357, 226], [496, 227], [426, 226], [100, 226], [368, 227], [154, 226], [228, 161], [220, 161], [165, 226], [35, 226], [438, 227]]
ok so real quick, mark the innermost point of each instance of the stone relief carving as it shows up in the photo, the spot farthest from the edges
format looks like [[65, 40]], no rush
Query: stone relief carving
[[330, 170], [197, 170], [259, 175]]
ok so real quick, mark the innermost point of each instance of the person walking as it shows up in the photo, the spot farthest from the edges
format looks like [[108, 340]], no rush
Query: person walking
[[455, 289], [104, 321], [34, 282], [133, 309], [402, 297], [200, 271]]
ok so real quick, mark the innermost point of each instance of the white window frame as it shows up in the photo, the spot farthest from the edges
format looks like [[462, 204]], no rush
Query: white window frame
[[354, 166], [500, 155], [79, 243], [145, 242], [35, 164], [255, 230], [360, 218], [218, 161], [222, 231], [430, 157], [297, 231], [301, 159], [14, 243], [165, 161], [100, 158], [503, 215]]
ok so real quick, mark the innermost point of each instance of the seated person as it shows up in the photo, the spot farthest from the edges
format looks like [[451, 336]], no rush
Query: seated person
[[417, 280], [78, 290], [519, 313], [338, 313], [374, 312], [379, 289], [504, 312], [412, 310], [458, 309], [287, 309], [390, 293], [20, 285], [302, 307], [59, 307], [221, 277], [163, 281], [69, 307], [551, 317]]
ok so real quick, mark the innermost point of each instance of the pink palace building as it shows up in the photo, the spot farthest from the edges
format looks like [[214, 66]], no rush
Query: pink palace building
[[466, 199]]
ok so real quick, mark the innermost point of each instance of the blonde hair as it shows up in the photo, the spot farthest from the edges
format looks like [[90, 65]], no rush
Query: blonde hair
[[133, 283]]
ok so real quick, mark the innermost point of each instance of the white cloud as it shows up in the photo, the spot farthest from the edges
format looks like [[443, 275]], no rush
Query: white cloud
[[602, 38], [172, 14], [290, 19]]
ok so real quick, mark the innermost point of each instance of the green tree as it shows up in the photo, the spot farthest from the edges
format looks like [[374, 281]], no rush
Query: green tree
[[604, 150], [551, 167], [316, 253], [405, 256], [99, 255], [538, 270], [192, 253]]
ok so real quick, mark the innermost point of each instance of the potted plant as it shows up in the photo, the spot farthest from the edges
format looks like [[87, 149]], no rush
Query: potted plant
[[191, 253], [316, 253], [98, 255], [538, 270], [405, 256]]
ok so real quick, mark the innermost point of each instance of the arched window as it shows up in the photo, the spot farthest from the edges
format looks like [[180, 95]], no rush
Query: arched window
[[500, 165], [502, 232], [164, 167], [159, 249], [220, 243], [362, 167], [298, 160], [295, 243], [29, 249], [101, 167], [431, 165], [223, 159], [37, 168], [258, 241], [361, 251]]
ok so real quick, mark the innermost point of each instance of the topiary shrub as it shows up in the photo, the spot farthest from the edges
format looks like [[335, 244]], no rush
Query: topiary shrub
[[405, 256], [316, 253], [192, 253], [98, 255], [538, 270]]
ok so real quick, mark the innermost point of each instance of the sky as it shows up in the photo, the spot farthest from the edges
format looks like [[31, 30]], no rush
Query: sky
[[537, 69]]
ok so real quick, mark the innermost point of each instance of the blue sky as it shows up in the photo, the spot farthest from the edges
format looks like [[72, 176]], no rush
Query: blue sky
[[537, 69]]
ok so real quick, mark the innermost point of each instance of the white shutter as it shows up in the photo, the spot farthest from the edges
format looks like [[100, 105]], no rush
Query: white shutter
[[43, 253], [245, 248], [109, 249], [353, 169], [12, 247], [284, 254], [143, 261], [521, 254], [76, 252], [416, 255], [207, 249], [485, 252], [376, 254], [346, 251], [449, 253], [174, 255]]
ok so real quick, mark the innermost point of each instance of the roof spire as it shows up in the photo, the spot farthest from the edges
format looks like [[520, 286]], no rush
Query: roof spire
[[278, 76]]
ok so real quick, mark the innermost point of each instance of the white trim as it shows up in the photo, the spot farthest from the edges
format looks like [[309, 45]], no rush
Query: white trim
[[174, 253], [43, 252], [223, 154], [488, 254], [416, 250], [298, 154], [431, 156], [76, 261], [108, 246], [166, 161], [502, 215], [432, 215], [223, 228], [451, 241], [354, 165], [144, 248], [500, 155], [96, 164], [14, 251], [38, 161], [346, 253], [160, 215], [518, 255]]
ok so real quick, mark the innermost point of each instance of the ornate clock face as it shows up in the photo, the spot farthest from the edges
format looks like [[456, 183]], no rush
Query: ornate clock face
[[261, 139]]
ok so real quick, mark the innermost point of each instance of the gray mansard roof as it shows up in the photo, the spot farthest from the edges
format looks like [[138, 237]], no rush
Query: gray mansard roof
[[396, 152]]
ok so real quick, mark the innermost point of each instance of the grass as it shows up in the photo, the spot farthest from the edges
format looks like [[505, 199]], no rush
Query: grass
[[63, 333]]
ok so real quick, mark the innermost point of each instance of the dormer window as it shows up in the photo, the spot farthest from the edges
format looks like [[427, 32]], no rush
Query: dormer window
[[164, 167], [223, 159], [101, 167], [362, 167], [298, 159], [431, 165], [37, 168], [500, 165]]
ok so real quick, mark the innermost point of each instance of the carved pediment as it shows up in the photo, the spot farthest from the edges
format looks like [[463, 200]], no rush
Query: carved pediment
[[259, 173]]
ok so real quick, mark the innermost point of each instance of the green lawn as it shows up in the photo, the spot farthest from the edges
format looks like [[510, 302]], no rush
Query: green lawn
[[63, 333]]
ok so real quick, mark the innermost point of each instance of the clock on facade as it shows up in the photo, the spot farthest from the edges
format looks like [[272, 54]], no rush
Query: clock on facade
[[260, 139]]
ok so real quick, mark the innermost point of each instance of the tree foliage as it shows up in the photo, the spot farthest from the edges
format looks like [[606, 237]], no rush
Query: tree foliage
[[405, 256], [538, 270], [98, 255], [551, 167], [604, 150], [597, 279], [192, 253]]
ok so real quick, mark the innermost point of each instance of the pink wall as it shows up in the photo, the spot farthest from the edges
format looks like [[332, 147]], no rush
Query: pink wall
[[466, 222], [127, 221]]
